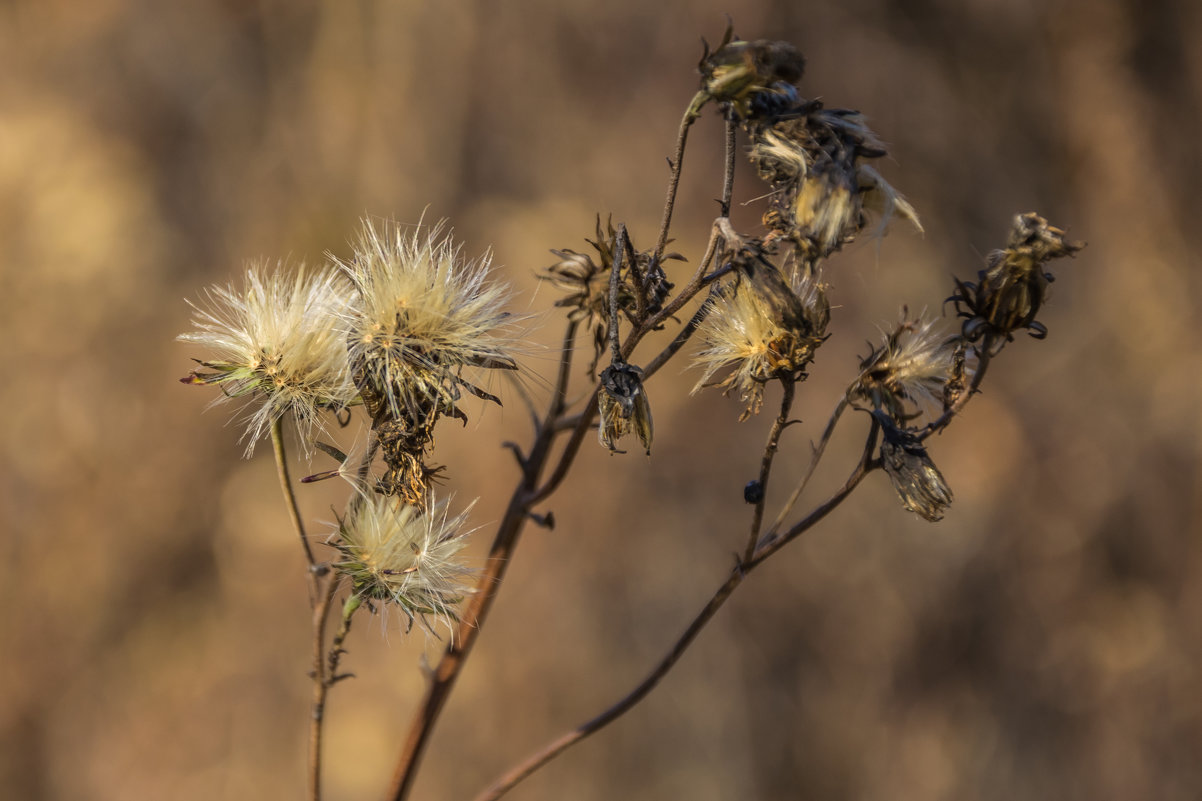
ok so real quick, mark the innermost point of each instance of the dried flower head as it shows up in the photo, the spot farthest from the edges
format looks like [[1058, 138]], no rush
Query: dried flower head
[[423, 314], [913, 364], [405, 555], [915, 478], [1014, 283], [760, 328], [276, 344], [586, 283], [822, 191], [623, 406], [751, 79]]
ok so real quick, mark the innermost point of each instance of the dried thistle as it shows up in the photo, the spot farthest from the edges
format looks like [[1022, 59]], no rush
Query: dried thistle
[[405, 555], [761, 328], [277, 345], [751, 79], [1014, 284], [587, 284], [423, 314], [623, 406], [913, 364], [822, 191]]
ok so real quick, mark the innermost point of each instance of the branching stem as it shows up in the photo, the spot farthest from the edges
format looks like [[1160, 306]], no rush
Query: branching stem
[[788, 387], [985, 354], [819, 450], [557, 746]]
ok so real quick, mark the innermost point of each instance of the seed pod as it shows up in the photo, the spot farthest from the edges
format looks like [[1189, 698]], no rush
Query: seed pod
[[624, 406]]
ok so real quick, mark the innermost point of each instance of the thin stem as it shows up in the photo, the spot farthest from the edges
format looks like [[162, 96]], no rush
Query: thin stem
[[553, 749], [816, 457], [565, 741], [728, 179], [757, 518], [326, 585], [472, 619], [695, 284], [678, 342], [336, 650], [686, 122], [615, 280], [559, 396], [984, 356], [281, 466], [570, 450], [772, 544]]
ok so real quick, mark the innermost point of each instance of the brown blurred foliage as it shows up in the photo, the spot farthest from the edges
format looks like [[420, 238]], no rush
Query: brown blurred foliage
[[1041, 642]]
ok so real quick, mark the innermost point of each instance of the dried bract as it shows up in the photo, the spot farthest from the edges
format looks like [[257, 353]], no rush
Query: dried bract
[[277, 345], [1013, 286], [623, 406], [915, 478]]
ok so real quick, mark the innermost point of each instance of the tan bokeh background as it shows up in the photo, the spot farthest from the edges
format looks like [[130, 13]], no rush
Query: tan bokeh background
[[1042, 642]]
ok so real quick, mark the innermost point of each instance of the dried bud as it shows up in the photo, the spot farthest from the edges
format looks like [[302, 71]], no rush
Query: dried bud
[[1014, 284], [915, 478], [957, 382], [752, 79], [624, 407], [586, 283]]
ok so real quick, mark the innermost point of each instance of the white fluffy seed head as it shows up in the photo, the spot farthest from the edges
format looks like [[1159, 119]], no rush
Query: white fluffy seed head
[[406, 555], [423, 314], [276, 342]]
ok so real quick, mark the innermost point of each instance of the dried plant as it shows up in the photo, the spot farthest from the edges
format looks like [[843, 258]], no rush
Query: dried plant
[[405, 328]]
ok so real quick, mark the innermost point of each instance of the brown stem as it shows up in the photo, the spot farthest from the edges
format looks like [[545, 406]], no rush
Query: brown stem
[[772, 543], [568, 454], [500, 555], [682, 136], [816, 457], [778, 426], [695, 284], [678, 342], [559, 397], [281, 466], [984, 356], [326, 584], [615, 280], [728, 179]]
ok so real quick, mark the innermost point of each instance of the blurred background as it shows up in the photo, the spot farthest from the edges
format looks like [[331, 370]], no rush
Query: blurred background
[[1042, 642]]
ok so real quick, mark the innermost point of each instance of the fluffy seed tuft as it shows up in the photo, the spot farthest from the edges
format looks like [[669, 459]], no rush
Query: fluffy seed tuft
[[276, 344]]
